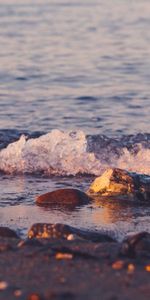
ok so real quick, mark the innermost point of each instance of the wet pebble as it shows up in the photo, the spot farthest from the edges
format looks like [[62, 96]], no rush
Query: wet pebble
[[45, 230], [3, 285], [63, 197], [34, 296]]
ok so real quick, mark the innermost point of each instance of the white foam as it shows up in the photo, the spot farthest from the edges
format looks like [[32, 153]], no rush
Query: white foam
[[65, 153], [139, 163], [57, 152]]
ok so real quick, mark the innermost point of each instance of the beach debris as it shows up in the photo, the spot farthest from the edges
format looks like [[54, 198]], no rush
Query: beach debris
[[3, 285], [69, 198], [117, 182], [7, 232], [47, 230], [137, 244]]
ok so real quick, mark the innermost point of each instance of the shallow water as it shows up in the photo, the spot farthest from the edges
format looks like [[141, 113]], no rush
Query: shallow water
[[81, 67]]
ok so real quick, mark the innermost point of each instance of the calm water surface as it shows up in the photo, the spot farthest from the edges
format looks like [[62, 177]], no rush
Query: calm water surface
[[75, 64], [71, 65]]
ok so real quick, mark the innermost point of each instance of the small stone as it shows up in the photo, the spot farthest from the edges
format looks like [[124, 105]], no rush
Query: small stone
[[17, 293], [34, 297], [61, 256], [63, 197], [3, 285], [71, 237], [118, 265], [147, 268], [131, 268]]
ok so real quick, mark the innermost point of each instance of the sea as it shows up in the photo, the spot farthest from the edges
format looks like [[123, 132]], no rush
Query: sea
[[74, 101]]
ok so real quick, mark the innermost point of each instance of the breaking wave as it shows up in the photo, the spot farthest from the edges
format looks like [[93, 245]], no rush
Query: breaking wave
[[71, 153]]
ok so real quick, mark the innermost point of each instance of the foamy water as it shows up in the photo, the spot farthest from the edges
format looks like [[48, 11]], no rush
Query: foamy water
[[66, 153]]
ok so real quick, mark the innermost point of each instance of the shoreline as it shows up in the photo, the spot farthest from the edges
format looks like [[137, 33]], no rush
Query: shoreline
[[57, 268]]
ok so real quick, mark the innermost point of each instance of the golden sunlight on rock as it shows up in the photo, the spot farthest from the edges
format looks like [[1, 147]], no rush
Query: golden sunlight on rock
[[115, 182]]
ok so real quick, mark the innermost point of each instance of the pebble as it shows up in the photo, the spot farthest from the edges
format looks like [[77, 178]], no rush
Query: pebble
[[147, 268], [118, 265], [34, 297], [3, 285], [17, 293], [63, 197], [60, 256], [131, 268]]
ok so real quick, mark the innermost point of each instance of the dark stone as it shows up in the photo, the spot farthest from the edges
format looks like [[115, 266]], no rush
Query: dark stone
[[7, 232], [64, 198], [44, 230], [138, 244], [29, 242]]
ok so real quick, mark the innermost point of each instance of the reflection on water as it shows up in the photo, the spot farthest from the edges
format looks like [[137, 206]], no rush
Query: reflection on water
[[19, 211], [113, 218]]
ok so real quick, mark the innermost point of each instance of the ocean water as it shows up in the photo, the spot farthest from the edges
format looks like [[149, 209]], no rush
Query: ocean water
[[74, 101]]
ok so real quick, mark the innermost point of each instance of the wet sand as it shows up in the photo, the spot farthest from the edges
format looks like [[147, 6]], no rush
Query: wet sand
[[71, 269]]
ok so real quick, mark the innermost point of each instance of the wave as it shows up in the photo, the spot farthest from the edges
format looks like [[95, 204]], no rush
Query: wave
[[72, 153]]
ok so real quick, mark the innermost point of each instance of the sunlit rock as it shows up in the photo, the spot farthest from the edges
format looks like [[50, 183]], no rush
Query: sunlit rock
[[44, 230], [115, 182], [63, 197]]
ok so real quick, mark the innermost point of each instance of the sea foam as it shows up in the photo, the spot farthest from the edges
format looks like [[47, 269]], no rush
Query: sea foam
[[68, 153]]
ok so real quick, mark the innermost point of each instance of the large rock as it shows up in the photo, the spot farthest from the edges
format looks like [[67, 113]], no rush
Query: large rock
[[117, 182], [63, 197], [136, 245], [7, 232], [44, 230]]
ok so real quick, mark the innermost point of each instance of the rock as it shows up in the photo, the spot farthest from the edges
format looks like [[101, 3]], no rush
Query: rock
[[116, 182], [3, 285], [7, 232], [35, 296], [138, 244], [29, 242], [44, 230], [63, 197]]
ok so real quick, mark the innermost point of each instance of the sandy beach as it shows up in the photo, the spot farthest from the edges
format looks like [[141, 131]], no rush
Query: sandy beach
[[56, 268]]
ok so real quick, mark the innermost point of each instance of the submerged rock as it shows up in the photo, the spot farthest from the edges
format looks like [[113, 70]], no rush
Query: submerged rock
[[115, 182], [63, 197], [138, 244], [44, 230], [7, 232]]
